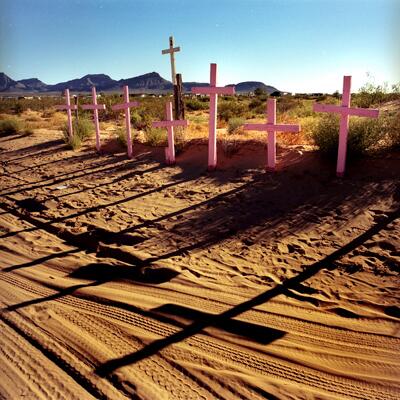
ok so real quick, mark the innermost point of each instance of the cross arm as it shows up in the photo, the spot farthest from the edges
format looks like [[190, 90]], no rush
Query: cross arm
[[94, 107], [364, 112], [213, 90], [124, 106], [361, 112], [166, 124], [327, 108], [286, 128], [272, 127], [67, 107], [173, 50]]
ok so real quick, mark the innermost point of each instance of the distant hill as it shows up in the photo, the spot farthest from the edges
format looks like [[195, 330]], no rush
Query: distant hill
[[100, 81], [151, 82], [33, 84], [148, 83], [9, 85], [251, 86]]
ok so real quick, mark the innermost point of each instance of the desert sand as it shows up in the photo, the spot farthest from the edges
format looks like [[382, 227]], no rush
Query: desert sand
[[132, 279]]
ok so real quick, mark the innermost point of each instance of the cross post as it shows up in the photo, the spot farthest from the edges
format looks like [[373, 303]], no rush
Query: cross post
[[272, 127], [95, 107], [213, 91], [169, 123], [68, 106], [126, 106], [171, 51], [345, 111]]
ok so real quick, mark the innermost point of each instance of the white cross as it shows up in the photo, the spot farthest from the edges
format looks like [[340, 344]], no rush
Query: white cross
[[171, 51]]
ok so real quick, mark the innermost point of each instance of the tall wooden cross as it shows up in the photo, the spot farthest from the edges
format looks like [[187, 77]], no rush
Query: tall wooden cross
[[272, 127], [68, 106], [171, 51], [169, 123], [126, 106], [345, 111], [95, 107], [213, 91]]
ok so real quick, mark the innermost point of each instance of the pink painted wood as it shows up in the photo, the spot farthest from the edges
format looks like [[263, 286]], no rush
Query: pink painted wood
[[126, 106], [95, 107], [213, 91], [345, 111], [68, 106], [272, 127], [170, 124]]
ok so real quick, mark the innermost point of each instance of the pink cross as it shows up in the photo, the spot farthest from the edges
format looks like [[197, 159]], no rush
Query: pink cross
[[95, 107], [126, 106], [213, 91], [272, 127], [345, 111], [169, 124], [67, 106]]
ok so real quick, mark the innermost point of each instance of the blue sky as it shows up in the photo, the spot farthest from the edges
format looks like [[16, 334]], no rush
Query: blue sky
[[299, 46]]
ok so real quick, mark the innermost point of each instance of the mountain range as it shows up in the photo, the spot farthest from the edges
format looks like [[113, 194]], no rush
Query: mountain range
[[151, 83]]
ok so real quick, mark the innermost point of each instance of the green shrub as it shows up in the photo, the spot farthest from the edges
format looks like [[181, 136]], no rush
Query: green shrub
[[235, 125], [230, 109], [180, 139], [73, 142], [230, 147], [121, 136], [9, 126], [82, 129], [19, 108], [364, 135], [195, 105], [155, 136], [141, 119]]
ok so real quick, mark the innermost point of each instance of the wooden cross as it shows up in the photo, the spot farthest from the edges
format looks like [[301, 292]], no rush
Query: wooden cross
[[345, 111], [272, 127], [171, 51], [169, 123], [126, 106], [95, 107], [213, 91], [68, 106]]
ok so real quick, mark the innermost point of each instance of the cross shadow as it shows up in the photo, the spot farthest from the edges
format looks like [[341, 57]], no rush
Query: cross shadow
[[224, 319], [43, 149], [102, 273]]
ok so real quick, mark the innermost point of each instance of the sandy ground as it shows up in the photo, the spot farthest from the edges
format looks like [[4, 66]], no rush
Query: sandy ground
[[130, 279]]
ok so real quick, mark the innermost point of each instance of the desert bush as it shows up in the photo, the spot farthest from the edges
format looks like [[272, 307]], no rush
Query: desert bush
[[73, 142], [285, 104], [371, 94], [155, 136], [141, 119], [180, 139], [82, 129], [121, 136], [195, 105], [364, 135], [9, 126], [231, 109], [235, 125], [230, 146]]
